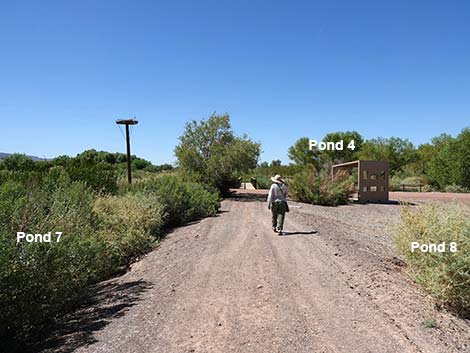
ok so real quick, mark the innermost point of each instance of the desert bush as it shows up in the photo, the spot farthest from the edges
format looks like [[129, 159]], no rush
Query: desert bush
[[263, 182], [128, 224], [17, 162], [445, 275], [39, 280], [413, 180], [394, 183], [321, 189], [456, 188], [101, 234], [183, 201], [429, 188], [100, 176]]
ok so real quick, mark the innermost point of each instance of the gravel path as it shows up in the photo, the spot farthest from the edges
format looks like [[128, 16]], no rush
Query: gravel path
[[229, 284]]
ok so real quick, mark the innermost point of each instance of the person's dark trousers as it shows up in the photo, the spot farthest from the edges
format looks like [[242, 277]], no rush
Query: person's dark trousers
[[278, 210]]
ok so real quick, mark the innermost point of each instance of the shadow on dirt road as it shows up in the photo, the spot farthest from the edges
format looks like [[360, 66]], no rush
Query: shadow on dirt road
[[285, 234], [108, 301]]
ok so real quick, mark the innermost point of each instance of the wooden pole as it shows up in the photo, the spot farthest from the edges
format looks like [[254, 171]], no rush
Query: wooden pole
[[128, 122], [128, 143]]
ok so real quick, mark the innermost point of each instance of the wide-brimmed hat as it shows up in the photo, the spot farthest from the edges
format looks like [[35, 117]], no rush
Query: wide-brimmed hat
[[277, 179]]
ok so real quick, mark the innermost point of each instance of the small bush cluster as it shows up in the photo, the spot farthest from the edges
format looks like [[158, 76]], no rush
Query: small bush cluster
[[394, 183], [429, 188], [413, 180], [263, 182], [445, 275], [319, 188], [456, 188], [183, 201], [128, 224]]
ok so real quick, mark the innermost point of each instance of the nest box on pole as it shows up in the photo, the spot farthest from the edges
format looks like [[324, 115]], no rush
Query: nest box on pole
[[128, 122]]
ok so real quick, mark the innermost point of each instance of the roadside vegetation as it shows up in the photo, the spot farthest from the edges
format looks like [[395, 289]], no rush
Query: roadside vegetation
[[445, 275], [319, 188], [105, 223]]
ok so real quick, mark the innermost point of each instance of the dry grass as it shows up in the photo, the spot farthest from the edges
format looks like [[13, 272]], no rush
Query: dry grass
[[129, 224], [445, 275]]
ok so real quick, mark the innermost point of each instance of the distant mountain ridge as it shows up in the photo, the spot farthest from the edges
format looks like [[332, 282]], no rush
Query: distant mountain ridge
[[34, 158]]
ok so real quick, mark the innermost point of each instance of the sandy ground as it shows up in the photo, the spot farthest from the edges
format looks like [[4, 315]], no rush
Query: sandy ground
[[229, 284], [430, 196]]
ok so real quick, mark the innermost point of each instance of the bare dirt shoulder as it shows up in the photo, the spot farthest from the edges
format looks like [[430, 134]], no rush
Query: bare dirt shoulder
[[430, 196], [229, 284]]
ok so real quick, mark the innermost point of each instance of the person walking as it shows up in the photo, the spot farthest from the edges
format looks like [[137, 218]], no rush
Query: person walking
[[277, 203]]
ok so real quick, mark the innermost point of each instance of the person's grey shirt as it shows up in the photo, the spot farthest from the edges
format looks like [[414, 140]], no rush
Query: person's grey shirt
[[277, 192]]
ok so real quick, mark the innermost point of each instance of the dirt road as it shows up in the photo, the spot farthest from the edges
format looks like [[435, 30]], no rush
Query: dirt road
[[229, 284]]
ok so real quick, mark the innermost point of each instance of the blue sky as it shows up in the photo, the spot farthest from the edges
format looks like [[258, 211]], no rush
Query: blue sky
[[281, 69]]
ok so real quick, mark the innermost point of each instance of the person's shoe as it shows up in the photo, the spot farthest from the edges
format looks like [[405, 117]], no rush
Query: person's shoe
[[274, 229], [280, 233]]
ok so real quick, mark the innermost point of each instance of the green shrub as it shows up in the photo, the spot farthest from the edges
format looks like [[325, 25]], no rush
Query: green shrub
[[319, 188], [183, 201], [100, 176], [17, 162], [430, 323], [456, 188], [128, 224], [394, 183], [429, 188], [445, 275], [40, 280], [413, 180], [263, 182]]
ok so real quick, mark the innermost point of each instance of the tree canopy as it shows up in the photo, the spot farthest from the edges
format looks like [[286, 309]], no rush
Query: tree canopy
[[301, 155], [396, 151], [346, 154], [210, 151], [450, 163]]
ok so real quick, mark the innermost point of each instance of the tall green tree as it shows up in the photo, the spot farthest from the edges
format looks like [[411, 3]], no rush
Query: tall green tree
[[347, 154], [463, 155], [302, 155], [398, 152], [210, 151], [451, 161], [424, 155]]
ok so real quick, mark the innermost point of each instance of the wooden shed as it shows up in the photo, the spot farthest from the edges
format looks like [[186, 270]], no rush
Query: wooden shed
[[372, 177]]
